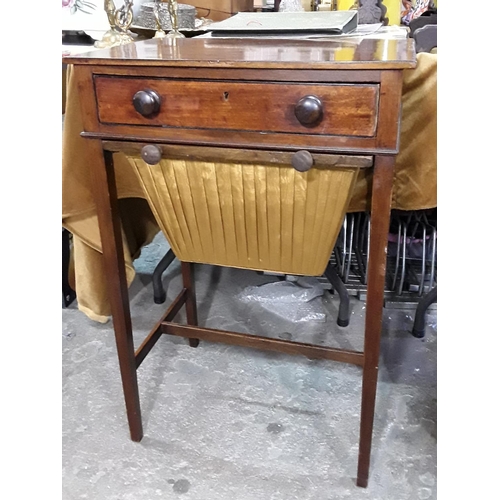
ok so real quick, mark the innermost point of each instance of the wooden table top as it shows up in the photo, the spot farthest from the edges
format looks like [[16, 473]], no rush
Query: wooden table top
[[341, 53]]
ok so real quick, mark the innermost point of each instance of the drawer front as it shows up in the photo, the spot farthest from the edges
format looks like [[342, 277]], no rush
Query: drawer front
[[326, 109]]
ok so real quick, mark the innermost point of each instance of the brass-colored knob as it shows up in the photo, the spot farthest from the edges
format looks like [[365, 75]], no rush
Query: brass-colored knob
[[309, 111], [147, 102], [151, 154], [302, 160]]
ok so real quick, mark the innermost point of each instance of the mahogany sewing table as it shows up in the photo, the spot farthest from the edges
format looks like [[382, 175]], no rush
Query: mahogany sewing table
[[239, 98]]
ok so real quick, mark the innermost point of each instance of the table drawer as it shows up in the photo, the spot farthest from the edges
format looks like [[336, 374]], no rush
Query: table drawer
[[326, 109]]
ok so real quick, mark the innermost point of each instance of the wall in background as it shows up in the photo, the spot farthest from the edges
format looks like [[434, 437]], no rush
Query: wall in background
[[393, 8]]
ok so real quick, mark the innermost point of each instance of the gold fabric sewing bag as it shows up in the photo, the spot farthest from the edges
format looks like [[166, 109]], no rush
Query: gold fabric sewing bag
[[258, 215]]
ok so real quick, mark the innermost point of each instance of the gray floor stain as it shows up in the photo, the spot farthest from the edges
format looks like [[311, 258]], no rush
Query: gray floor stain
[[181, 486], [275, 428]]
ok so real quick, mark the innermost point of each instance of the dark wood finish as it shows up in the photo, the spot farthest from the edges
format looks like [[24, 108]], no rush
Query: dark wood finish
[[309, 111], [155, 334], [302, 160], [104, 189], [105, 197], [265, 343], [251, 74], [380, 212], [383, 142], [240, 155], [146, 102], [235, 100], [248, 139], [342, 109], [390, 103], [151, 154], [369, 54]]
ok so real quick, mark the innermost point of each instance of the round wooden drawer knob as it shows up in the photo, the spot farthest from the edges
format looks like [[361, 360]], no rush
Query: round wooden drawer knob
[[302, 160], [151, 154], [147, 102], [309, 111]]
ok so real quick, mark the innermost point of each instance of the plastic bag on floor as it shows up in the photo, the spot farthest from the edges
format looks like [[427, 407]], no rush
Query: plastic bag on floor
[[294, 301]]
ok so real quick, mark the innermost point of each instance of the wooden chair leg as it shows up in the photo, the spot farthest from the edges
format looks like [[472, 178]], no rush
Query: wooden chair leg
[[191, 310], [380, 215]]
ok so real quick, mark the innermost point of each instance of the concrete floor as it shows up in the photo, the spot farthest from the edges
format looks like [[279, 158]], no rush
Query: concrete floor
[[227, 423]]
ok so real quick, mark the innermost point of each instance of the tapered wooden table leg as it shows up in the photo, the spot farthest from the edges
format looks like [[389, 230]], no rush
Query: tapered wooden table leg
[[104, 189], [380, 215], [191, 309]]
